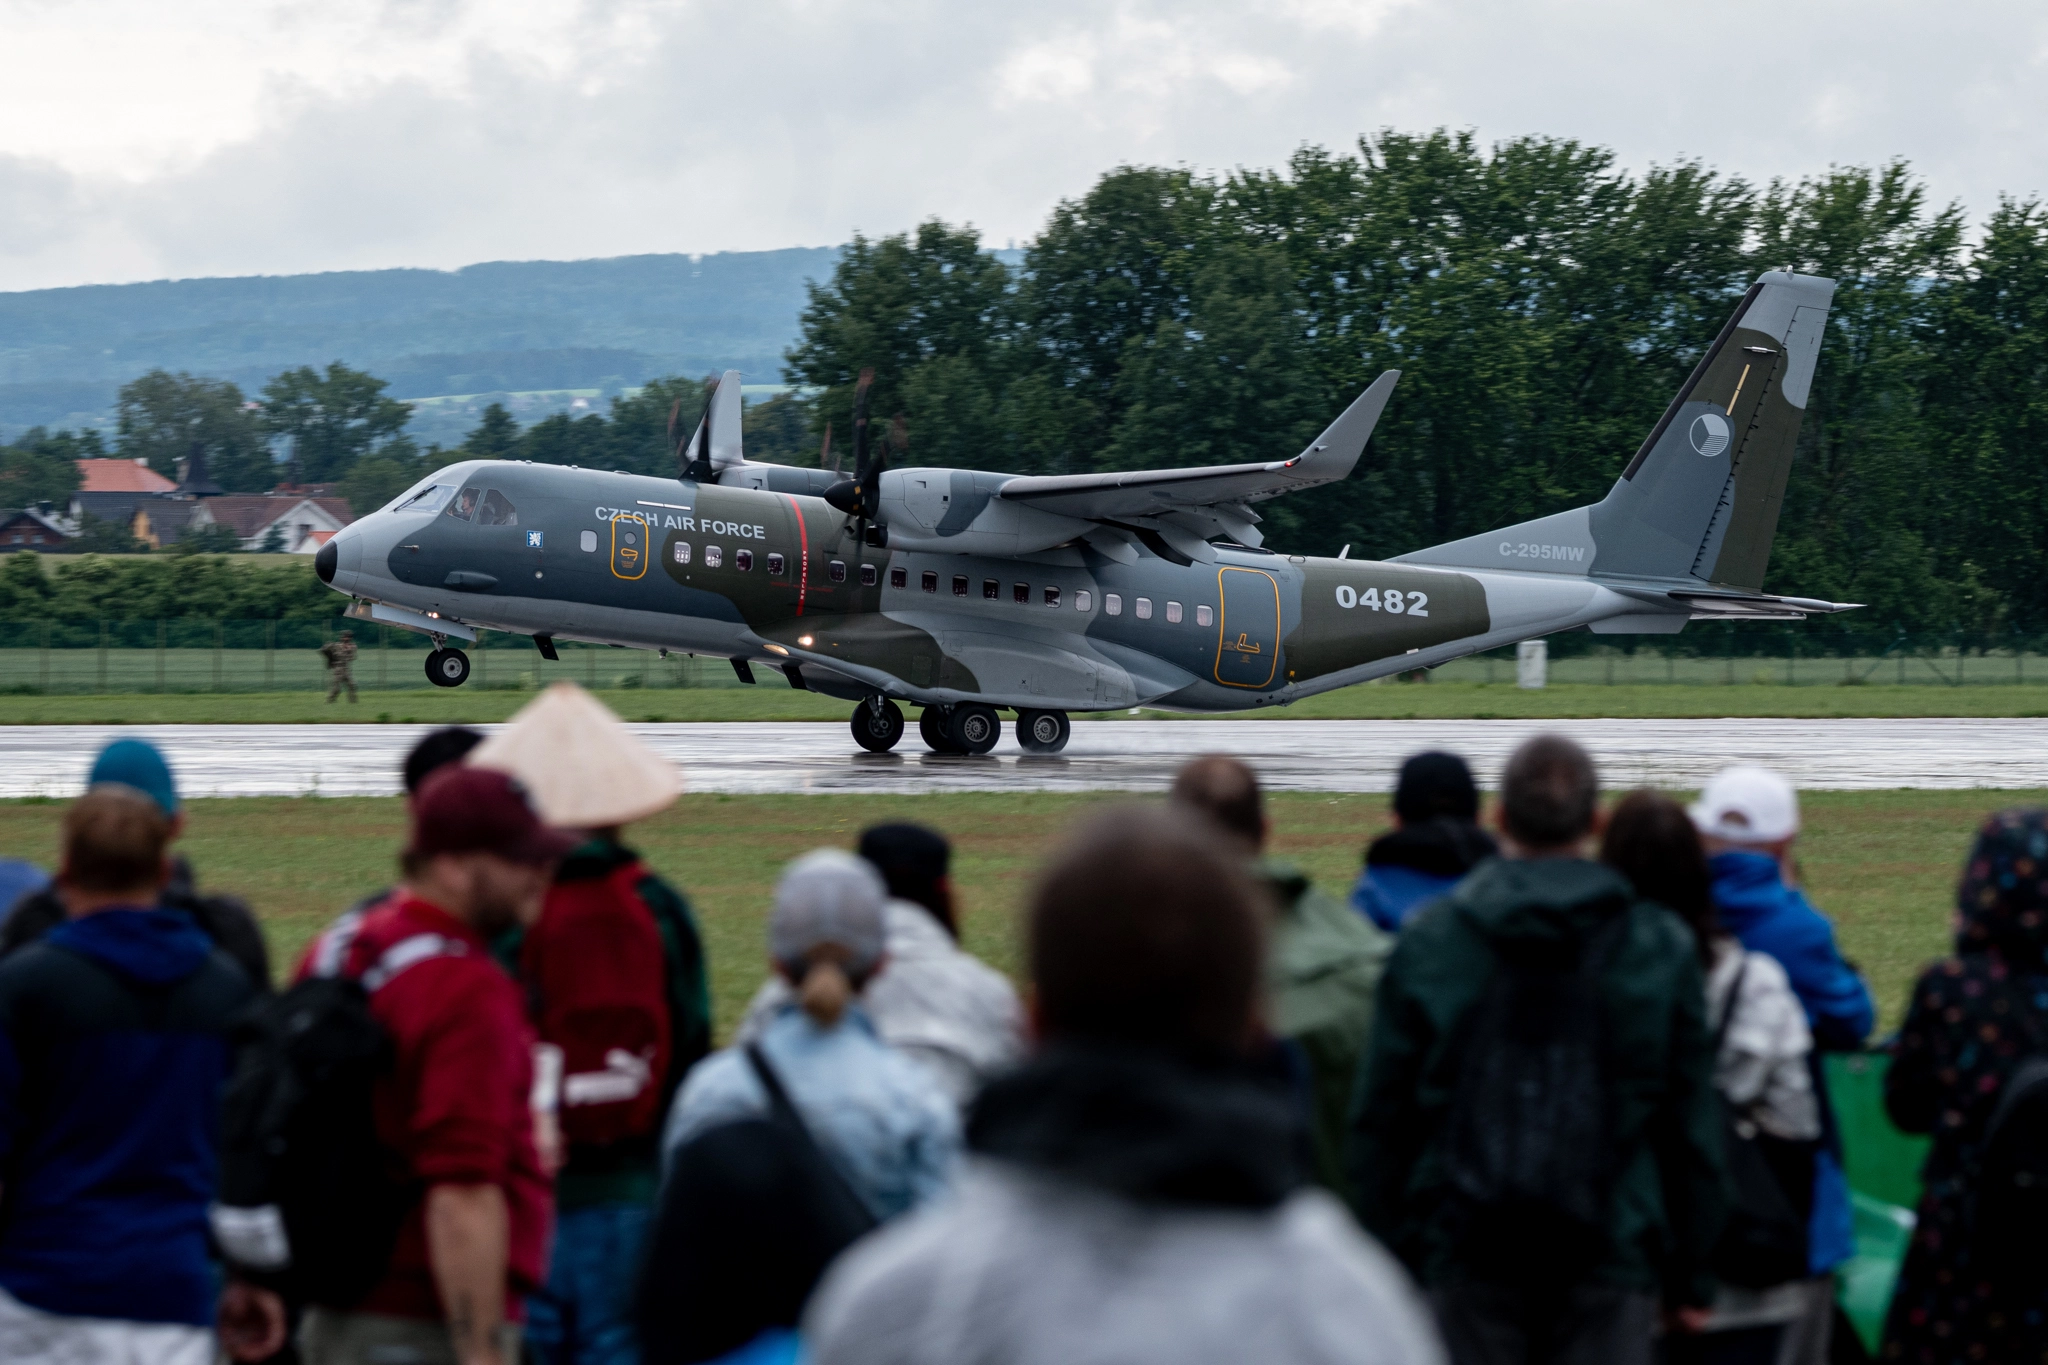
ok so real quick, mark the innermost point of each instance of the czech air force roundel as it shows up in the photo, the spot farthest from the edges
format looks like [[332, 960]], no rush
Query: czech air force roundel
[[1709, 433]]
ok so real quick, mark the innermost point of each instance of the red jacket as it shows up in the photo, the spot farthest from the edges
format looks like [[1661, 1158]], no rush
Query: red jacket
[[456, 1106], [596, 980]]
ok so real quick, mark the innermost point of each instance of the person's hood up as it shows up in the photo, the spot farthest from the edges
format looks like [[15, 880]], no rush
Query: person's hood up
[[2002, 900], [155, 947], [1542, 900], [1146, 1126], [1443, 847]]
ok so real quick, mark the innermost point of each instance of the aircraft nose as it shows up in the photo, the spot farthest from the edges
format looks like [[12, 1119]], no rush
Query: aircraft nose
[[324, 562]]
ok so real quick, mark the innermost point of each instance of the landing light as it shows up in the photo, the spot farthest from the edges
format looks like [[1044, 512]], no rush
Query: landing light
[[777, 649], [804, 640]]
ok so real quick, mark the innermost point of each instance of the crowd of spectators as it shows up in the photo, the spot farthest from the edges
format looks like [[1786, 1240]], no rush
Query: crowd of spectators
[[1545, 1092]]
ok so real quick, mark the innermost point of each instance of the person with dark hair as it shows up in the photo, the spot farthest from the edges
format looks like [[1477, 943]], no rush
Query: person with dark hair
[[140, 766], [1972, 1287], [1138, 1190], [435, 750], [937, 1003], [113, 1049], [1560, 1244], [1325, 962], [1435, 841], [1760, 1069]]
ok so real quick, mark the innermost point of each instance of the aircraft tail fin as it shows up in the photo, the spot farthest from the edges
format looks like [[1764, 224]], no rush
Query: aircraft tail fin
[[1700, 500]]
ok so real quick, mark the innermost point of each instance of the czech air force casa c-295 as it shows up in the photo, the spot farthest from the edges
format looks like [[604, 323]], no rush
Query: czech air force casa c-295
[[966, 593]]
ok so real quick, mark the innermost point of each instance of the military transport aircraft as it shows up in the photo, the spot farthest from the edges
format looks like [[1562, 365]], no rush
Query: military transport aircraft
[[964, 593]]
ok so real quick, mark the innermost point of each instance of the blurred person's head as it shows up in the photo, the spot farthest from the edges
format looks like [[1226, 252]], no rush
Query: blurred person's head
[[435, 751], [1749, 808], [478, 850], [1225, 790], [1549, 798], [140, 765], [916, 864], [1433, 786], [2002, 899], [1145, 932], [825, 934], [1651, 840], [114, 839]]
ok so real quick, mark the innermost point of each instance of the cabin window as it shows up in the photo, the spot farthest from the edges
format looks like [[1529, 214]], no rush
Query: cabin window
[[899, 577], [1112, 604], [743, 560], [587, 542], [1020, 593], [838, 571], [870, 575], [1052, 597], [497, 511], [959, 585], [929, 580], [464, 506], [713, 556], [1084, 600], [1204, 616], [777, 565], [1173, 613], [1144, 609], [682, 552]]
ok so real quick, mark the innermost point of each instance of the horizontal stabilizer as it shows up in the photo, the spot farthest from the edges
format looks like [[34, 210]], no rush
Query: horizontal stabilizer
[[1137, 493]]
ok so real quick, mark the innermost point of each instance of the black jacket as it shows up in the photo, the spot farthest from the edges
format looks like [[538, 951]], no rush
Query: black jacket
[[224, 919]]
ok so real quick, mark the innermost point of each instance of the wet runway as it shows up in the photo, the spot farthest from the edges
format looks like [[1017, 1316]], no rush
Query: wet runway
[[1137, 755]]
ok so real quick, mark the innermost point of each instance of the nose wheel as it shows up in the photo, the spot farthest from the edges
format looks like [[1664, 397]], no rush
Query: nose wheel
[[447, 668], [1043, 732], [877, 729]]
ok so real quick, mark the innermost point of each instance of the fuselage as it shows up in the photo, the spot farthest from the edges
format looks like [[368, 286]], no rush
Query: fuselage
[[779, 578]]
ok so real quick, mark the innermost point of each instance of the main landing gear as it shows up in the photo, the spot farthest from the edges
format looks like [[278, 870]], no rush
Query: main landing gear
[[447, 668], [968, 728]]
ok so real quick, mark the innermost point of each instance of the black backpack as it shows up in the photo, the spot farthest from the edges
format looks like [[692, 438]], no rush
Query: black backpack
[[310, 1201], [752, 1213], [1764, 1240], [1530, 1153], [2012, 1181]]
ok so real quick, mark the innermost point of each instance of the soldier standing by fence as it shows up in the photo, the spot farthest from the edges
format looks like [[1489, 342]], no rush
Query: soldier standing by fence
[[339, 654]]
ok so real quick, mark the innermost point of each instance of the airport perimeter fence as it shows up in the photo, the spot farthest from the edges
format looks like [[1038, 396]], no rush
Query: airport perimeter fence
[[192, 655]]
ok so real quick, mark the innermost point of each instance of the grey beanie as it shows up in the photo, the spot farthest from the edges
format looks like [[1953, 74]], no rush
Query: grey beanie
[[828, 896]]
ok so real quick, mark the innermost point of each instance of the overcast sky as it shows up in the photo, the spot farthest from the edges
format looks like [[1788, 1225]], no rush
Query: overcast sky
[[143, 139]]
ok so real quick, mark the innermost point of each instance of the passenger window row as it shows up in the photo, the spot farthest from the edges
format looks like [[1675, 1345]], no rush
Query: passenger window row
[[1020, 593], [778, 564]]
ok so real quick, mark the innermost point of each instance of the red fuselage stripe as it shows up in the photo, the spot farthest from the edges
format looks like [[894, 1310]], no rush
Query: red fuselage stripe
[[803, 572]]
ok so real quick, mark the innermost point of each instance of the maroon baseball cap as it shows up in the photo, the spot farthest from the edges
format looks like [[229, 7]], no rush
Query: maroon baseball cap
[[481, 810]]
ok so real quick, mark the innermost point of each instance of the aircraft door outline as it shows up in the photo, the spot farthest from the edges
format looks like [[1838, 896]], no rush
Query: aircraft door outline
[[629, 545], [1247, 627]]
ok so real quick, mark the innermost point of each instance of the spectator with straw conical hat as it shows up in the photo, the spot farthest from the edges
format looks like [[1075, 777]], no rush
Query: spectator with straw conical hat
[[614, 970]]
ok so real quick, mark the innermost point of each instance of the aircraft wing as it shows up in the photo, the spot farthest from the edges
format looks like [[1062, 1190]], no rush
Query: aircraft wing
[[1139, 493]]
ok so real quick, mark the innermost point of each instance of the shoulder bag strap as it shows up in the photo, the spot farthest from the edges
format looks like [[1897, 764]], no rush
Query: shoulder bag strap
[[1734, 1000], [786, 1114]]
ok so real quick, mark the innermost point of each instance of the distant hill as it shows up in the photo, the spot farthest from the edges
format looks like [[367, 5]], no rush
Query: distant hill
[[506, 326]]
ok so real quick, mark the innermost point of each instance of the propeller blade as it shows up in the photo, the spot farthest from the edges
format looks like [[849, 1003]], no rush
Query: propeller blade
[[860, 424], [675, 410], [825, 460]]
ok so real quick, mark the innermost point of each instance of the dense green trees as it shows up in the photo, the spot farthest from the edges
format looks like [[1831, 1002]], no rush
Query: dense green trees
[[40, 467], [165, 418]]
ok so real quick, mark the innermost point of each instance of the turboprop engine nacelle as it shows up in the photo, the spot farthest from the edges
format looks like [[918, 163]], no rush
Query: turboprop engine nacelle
[[956, 511]]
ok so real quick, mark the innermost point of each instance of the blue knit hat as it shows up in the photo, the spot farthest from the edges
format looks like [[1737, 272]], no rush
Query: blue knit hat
[[137, 763]]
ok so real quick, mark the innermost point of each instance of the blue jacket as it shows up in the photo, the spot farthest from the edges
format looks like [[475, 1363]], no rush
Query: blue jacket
[[113, 1051], [1769, 917], [1387, 893]]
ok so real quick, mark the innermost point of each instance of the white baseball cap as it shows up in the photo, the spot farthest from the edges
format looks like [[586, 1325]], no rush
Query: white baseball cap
[[1747, 805]]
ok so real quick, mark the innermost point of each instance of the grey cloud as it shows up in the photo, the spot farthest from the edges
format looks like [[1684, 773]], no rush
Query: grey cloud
[[745, 125]]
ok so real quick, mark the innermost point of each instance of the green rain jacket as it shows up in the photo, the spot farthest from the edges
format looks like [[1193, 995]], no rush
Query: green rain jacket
[[1325, 966], [1667, 1196]]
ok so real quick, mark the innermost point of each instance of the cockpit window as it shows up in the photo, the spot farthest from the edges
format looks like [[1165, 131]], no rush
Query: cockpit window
[[428, 499], [497, 511], [464, 506]]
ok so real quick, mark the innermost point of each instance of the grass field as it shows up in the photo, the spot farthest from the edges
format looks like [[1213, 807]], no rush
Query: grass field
[[1883, 864], [773, 699]]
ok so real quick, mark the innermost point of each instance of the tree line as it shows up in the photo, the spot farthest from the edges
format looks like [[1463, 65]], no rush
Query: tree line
[[1543, 304]]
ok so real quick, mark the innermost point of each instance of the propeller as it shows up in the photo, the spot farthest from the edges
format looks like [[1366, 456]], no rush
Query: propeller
[[861, 496], [826, 459]]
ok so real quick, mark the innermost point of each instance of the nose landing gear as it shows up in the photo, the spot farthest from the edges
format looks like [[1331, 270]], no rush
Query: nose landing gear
[[447, 668]]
